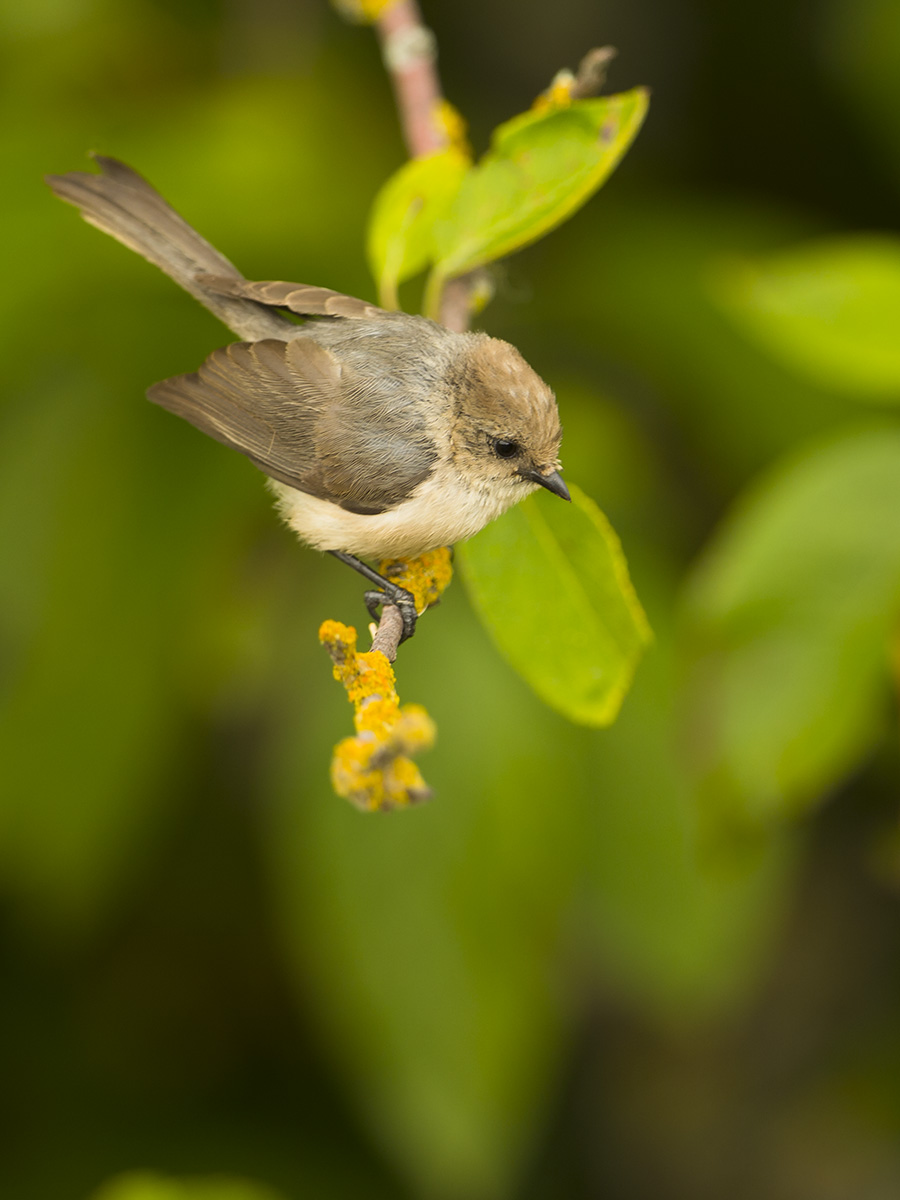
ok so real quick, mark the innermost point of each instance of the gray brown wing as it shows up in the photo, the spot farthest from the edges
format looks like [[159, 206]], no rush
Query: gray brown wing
[[289, 407], [299, 298]]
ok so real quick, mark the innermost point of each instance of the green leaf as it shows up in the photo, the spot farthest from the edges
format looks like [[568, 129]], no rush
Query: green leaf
[[829, 310], [551, 585], [791, 612], [145, 1185], [541, 167], [404, 213]]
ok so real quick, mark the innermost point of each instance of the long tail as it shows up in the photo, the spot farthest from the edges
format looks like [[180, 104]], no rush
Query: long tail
[[123, 204]]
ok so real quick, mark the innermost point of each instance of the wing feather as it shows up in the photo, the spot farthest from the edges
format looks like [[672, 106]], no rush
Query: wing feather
[[289, 408], [299, 298]]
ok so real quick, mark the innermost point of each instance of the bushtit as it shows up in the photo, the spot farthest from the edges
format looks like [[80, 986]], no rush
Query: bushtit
[[384, 434]]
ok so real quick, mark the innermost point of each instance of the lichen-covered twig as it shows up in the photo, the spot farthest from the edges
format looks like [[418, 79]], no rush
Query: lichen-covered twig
[[374, 770]]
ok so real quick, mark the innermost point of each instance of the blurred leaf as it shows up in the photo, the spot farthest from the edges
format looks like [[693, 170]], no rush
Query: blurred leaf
[[144, 1185], [426, 946], [634, 287], [682, 931], [551, 585], [97, 596], [401, 225], [542, 166], [790, 612], [83, 723], [830, 310]]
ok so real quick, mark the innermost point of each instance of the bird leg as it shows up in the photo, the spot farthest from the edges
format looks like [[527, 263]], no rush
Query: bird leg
[[390, 593]]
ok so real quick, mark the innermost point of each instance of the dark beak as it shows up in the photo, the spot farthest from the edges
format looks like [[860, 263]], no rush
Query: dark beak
[[552, 482]]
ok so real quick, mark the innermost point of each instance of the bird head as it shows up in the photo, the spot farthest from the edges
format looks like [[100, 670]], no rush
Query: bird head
[[505, 434]]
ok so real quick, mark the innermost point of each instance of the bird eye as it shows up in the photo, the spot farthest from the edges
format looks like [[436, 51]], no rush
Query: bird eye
[[506, 448]]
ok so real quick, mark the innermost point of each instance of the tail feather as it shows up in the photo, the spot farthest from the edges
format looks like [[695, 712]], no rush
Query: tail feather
[[124, 205]]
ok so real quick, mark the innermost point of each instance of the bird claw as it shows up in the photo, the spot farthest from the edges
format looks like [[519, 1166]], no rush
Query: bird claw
[[402, 600]]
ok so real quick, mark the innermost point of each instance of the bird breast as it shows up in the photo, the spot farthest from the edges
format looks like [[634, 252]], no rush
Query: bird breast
[[443, 510]]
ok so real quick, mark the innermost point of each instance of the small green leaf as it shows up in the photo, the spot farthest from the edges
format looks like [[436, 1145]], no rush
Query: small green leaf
[[541, 167], [146, 1185], [829, 310], [791, 613], [551, 585], [402, 221]]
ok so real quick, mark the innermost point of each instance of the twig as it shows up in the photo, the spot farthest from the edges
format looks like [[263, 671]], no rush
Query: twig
[[409, 50], [390, 630], [456, 303], [374, 770], [591, 74]]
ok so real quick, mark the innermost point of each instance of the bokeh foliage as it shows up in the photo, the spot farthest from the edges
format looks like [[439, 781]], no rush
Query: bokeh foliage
[[623, 961]]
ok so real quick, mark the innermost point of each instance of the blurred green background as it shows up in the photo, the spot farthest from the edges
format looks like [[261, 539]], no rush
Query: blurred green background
[[657, 961]]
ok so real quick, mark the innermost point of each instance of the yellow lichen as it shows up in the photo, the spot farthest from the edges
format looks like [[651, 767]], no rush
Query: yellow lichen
[[365, 11], [451, 124], [557, 95], [374, 770], [426, 576]]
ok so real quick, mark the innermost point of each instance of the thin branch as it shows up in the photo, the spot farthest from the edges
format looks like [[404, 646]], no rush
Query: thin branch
[[374, 770], [591, 74], [409, 50], [456, 303], [390, 630]]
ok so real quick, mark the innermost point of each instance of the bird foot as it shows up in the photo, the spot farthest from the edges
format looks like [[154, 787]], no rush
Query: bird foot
[[399, 597]]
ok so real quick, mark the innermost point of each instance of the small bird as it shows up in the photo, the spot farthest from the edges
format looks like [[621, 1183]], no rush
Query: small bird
[[384, 435]]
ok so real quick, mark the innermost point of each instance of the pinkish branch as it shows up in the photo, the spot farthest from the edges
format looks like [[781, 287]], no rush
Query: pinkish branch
[[409, 51]]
